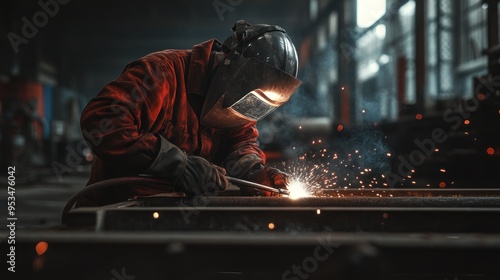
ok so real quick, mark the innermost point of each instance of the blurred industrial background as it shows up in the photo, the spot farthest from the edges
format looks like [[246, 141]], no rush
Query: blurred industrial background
[[379, 78]]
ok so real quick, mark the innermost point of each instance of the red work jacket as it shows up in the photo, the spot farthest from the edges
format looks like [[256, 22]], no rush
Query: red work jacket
[[162, 93]]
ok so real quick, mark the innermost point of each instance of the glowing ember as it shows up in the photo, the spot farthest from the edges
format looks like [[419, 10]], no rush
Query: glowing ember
[[41, 247], [418, 116], [490, 151]]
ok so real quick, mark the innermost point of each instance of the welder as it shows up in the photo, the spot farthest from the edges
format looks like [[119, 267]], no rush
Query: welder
[[189, 116]]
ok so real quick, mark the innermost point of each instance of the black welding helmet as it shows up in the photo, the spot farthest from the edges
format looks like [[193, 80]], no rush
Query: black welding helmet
[[257, 76]]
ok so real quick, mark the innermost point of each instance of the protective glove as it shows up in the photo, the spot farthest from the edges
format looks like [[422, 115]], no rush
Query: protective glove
[[190, 174], [201, 176], [268, 176]]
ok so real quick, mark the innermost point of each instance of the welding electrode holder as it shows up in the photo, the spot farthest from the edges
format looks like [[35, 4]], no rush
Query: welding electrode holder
[[248, 184]]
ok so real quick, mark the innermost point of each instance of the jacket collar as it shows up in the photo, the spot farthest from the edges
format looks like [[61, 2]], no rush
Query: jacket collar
[[199, 72]]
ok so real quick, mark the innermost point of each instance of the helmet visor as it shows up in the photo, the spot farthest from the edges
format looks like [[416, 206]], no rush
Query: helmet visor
[[254, 105], [245, 91]]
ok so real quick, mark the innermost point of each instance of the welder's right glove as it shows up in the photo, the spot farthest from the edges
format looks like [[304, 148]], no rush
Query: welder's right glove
[[190, 174], [251, 167]]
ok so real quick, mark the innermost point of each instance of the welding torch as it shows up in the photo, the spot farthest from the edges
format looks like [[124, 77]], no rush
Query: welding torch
[[244, 183]]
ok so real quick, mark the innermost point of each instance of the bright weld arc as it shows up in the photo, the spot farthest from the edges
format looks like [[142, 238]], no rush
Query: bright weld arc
[[298, 189]]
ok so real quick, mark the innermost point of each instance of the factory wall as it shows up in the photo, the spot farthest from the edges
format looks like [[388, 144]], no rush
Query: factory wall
[[406, 69], [39, 106]]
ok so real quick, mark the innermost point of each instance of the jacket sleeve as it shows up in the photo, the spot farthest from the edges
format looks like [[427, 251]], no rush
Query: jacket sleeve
[[116, 123], [244, 151]]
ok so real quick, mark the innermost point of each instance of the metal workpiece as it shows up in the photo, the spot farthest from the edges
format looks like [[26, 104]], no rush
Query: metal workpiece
[[341, 199], [202, 255], [410, 193], [366, 233], [378, 210], [288, 219]]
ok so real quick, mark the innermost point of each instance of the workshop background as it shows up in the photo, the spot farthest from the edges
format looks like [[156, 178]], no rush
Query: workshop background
[[395, 93]]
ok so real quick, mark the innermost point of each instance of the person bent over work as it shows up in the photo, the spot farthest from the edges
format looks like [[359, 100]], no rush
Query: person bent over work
[[189, 116]]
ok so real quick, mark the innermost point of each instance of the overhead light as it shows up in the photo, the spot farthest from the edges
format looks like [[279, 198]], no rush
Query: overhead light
[[369, 11], [384, 59], [370, 69], [407, 9], [380, 31], [373, 66]]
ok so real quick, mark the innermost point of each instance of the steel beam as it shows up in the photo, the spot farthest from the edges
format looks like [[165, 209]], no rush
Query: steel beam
[[154, 255]]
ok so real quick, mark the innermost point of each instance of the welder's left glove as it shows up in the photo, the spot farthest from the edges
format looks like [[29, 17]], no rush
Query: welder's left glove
[[268, 176]]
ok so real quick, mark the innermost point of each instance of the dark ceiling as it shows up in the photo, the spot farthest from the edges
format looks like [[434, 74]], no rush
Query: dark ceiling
[[90, 41]]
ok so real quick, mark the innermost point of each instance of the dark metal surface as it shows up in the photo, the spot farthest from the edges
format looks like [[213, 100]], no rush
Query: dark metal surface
[[289, 219], [345, 201], [371, 234], [406, 192], [391, 210], [153, 255]]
